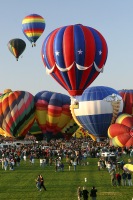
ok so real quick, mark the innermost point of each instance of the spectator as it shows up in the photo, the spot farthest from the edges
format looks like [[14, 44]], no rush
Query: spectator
[[118, 179], [42, 183], [124, 178], [93, 193], [85, 193], [129, 179], [79, 193], [113, 177]]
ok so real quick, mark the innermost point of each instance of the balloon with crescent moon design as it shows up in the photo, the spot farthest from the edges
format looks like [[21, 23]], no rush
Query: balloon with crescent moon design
[[74, 56], [96, 109], [33, 26], [17, 112], [121, 132], [52, 112]]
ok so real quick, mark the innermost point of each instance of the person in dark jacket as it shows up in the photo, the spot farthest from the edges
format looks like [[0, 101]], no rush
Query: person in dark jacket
[[93, 193], [42, 182], [85, 193]]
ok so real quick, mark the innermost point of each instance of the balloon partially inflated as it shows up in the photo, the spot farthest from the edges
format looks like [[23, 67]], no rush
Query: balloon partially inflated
[[121, 132], [128, 167]]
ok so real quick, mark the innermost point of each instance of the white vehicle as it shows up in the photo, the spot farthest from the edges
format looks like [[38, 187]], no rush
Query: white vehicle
[[106, 154]]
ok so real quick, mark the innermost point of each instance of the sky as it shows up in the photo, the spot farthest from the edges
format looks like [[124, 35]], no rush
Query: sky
[[113, 19]]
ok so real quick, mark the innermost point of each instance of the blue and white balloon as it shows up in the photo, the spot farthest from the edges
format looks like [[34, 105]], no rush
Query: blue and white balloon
[[97, 108]]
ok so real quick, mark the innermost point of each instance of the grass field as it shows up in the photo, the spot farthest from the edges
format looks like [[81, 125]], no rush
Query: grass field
[[20, 183]]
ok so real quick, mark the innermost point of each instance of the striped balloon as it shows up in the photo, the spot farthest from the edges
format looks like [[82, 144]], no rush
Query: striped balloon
[[17, 112], [33, 26], [52, 111], [121, 132], [69, 129], [127, 96], [97, 108], [74, 56]]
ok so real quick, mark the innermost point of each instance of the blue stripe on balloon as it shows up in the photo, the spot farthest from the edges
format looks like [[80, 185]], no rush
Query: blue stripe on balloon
[[58, 47]]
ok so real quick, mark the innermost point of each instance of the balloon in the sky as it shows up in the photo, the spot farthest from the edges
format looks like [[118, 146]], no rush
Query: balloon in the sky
[[16, 47], [127, 96], [52, 112], [96, 109], [17, 112], [121, 131], [74, 56], [33, 26]]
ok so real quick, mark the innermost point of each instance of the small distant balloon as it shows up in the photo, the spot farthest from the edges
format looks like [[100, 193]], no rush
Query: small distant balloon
[[33, 26], [16, 47]]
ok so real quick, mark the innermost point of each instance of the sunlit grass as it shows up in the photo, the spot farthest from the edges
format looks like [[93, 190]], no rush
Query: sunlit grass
[[20, 183]]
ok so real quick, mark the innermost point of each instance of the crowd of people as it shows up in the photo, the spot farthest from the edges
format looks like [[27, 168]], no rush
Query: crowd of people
[[75, 153]]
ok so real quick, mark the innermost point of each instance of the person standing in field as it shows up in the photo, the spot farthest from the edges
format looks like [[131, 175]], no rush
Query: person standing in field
[[79, 193], [38, 183], [85, 193], [42, 183], [93, 193]]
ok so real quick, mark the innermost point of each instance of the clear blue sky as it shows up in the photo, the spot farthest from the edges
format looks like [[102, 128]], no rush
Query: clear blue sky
[[114, 19]]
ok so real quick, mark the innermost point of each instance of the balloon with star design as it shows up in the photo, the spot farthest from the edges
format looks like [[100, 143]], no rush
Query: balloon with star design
[[74, 56]]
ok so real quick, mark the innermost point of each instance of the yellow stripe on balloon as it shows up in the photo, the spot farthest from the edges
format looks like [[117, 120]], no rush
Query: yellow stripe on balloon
[[41, 116], [29, 20], [31, 34], [121, 117], [118, 142], [109, 133]]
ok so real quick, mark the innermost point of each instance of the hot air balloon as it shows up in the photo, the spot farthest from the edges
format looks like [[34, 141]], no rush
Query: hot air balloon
[[52, 112], [127, 96], [74, 56], [4, 133], [69, 129], [96, 109], [17, 112], [33, 26], [121, 132], [16, 47], [128, 167], [36, 131]]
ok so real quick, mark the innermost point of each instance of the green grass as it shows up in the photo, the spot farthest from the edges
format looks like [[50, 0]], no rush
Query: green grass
[[20, 183]]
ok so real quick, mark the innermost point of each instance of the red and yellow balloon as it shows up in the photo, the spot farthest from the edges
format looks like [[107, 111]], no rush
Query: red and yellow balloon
[[121, 132]]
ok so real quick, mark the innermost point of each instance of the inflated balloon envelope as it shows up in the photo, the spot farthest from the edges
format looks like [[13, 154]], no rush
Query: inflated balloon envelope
[[121, 132], [97, 108], [74, 56], [33, 26], [17, 112], [128, 167]]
